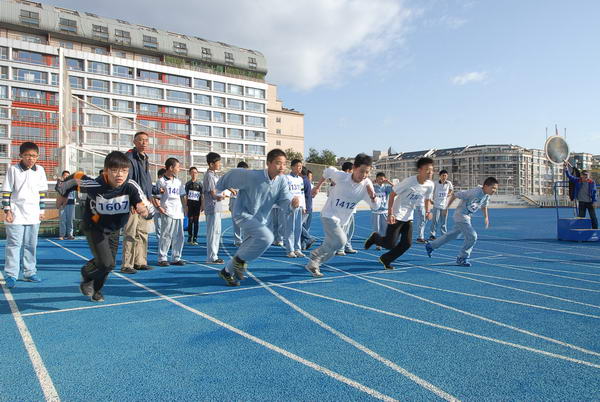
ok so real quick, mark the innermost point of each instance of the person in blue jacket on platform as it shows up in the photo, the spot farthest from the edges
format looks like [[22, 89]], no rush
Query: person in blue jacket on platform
[[585, 194]]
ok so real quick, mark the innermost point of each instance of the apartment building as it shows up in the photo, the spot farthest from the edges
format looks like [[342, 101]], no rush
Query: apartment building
[[193, 94], [285, 126]]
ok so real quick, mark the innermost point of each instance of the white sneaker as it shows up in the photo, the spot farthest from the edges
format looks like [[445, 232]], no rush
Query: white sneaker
[[342, 253], [378, 248], [313, 269], [291, 254], [299, 254], [350, 251], [278, 243]]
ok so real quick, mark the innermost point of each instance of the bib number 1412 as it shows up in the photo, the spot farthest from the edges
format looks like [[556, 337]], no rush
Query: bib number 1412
[[344, 204]]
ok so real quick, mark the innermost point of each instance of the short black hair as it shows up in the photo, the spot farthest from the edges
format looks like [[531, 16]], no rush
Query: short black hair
[[242, 165], [100, 172], [170, 162], [304, 171], [308, 171], [275, 153], [28, 146], [116, 160], [65, 171], [212, 157], [490, 181], [140, 133], [192, 168], [443, 171], [295, 162], [161, 172], [362, 159], [424, 161], [380, 174], [347, 166], [585, 171]]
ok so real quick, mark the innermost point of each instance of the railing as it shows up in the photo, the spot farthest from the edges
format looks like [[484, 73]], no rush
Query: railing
[[37, 101], [142, 113]]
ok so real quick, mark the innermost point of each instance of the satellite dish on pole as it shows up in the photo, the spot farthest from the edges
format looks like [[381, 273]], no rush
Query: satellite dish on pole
[[557, 150]]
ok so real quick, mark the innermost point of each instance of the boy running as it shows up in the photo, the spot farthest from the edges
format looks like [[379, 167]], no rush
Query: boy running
[[405, 197], [349, 228], [193, 200], [471, 201], [171, 219], [293, 221], [443, 189], [109, 200], [259, 190], [379, 216], [23, 200], [349, 190]]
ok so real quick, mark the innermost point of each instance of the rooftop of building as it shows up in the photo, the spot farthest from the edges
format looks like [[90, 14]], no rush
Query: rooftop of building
[[85, 26]]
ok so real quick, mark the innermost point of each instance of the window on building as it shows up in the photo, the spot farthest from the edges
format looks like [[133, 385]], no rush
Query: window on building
[[97, 138], [235, 89], [255, 149], [235, 118], [235, 133], [67, 25], [255, 93], [146, 75], [119, 53], [102, 103], [178, 128], [278, 119], [218, 86], [99, 50], [122, 105], [278, 142], [122, 71], [38, 77], [29, 18], [148, 109], [3, 53], [3, 131], [235, 148], [202, 99], [149, 124], [202, 130], [218, 101], [179, 96], [76, 82], [229, 58], [218, 146], [100, 32], [122, 89], [278, 131], [255, 121], [98, 85], [150, 59], [252, 63], [201, 114], [201, 84], [53, 79], [235, 104], [65, 44], [3, 92], [98, 68], [219, 116], [4, 72], [123, 37], [206, 53], [218, 132], [178, 80], [149, 92], [74, 64], [180, 47], [35, 58], [255, 107], [150, 42], [98, 120], [254, 135], [125, 123], [201, 146]]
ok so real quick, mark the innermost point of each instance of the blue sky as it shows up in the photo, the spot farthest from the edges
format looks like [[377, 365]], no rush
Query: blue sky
[[370, 74]]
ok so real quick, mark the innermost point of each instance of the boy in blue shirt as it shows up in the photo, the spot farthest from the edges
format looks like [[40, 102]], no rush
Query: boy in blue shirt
[[379, 216], [471, 201], [258, 191]]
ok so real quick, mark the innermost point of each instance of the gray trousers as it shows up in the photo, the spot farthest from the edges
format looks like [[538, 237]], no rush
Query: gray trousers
[[335, 238], [67, 214], [171, 236], [213, 235]]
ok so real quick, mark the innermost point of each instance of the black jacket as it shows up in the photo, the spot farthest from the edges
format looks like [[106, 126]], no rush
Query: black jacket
[[140, 171]]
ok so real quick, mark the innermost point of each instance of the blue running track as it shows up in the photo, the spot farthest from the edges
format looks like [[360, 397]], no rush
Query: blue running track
[[523, 323]]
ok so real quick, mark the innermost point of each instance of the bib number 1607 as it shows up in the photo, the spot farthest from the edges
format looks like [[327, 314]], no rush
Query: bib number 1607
[[110, 207]]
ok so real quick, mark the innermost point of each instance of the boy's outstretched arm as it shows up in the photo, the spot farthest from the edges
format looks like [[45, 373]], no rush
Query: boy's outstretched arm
[[391, 217], [451, 200]]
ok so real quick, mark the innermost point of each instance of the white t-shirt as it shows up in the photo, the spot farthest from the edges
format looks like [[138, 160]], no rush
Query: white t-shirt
[[409, 194], [170, 199], [345, 195], [296, 186], [25, 186], [440, 193]]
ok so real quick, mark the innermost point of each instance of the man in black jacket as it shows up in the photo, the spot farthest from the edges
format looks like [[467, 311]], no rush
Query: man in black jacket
[[135, 233]]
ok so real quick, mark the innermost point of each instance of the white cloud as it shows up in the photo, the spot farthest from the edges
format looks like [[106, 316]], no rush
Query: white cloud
[[467, 78], [307, 43], [452, 22]]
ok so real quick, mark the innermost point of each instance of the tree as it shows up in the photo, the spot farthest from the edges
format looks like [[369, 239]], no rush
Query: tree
[[325, 157], [291, 154]]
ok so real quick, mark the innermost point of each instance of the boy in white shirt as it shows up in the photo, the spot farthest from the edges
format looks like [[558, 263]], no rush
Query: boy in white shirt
[[443, 189], [405, 197], [23, 201], [293, 219], [171, 209], [349, 228], [349, 190]]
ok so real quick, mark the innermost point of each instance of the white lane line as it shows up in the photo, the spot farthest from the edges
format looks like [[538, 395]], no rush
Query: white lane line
[[446, 328], [336, 376], [402, 371], [483, 297], [41, 372], [477, 316]]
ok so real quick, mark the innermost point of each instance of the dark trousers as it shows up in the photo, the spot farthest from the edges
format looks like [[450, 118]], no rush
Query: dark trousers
[[193, 221], [305, 236], [398, 239], [104, 247], [588, 206]]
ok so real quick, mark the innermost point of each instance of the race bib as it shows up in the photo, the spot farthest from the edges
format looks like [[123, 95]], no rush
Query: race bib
[[344, 204], [193, 195], [113, 206], [442, 194]]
